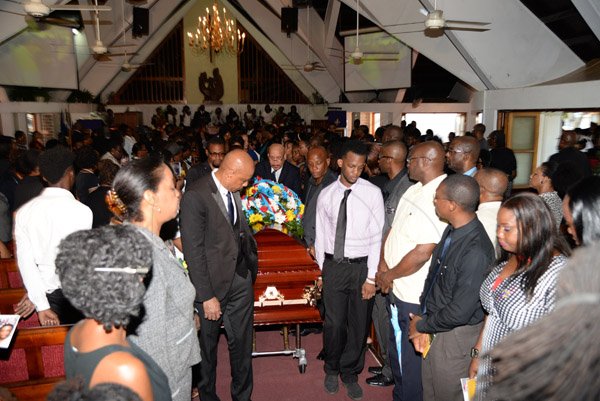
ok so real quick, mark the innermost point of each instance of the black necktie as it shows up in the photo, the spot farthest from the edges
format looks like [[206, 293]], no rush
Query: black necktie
[[340, 229], [230, 208]]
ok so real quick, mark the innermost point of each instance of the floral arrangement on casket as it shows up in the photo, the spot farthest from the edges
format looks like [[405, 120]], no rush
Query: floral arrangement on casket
[[271, 204]]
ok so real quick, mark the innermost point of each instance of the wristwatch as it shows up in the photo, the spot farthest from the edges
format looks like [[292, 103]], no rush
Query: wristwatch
[[474, 353]]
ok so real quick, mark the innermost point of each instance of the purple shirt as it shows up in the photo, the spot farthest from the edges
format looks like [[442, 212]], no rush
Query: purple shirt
[[364, 225]]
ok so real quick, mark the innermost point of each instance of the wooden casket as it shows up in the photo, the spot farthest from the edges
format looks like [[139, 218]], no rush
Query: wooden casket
[[286, 277]]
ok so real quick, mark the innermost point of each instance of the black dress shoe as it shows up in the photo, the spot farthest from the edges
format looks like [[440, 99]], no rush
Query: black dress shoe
[[310, 330], [321, 355], [379, 380], [376, 370]]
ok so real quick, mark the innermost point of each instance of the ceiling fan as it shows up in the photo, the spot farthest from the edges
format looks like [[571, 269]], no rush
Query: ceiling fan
[[37, 9], [309, 66], [435, 24], [37, 15], [357, 56], [127, 66]]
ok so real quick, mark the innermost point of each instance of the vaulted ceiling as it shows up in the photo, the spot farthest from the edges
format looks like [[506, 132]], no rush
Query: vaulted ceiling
[[529, 42]]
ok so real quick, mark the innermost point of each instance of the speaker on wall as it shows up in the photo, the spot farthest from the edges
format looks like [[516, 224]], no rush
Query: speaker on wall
[[141, 22], [289, 20]]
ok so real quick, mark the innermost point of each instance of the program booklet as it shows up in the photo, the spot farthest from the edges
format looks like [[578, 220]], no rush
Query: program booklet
[[468, 388], [8, 326]]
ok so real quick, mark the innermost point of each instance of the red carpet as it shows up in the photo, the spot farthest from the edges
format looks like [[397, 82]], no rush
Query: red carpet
[[278, 377]]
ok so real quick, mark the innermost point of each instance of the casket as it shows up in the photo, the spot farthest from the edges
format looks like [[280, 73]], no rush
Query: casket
[[284, 287]]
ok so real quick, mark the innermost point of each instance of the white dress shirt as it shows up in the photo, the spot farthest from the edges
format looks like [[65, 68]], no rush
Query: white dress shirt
[[364, 226], [277, 173], [40, 225], [487, 213], [415, 223], [224, 191]]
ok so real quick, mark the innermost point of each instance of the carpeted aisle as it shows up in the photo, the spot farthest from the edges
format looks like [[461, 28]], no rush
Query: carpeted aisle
[[278, 377]]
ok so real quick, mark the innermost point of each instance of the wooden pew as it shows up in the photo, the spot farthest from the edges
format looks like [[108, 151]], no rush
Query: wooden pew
[[9, 274], [34, 364]]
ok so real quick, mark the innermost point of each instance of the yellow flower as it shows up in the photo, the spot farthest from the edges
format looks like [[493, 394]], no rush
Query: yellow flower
[[302, 209], [289, 215], [276, 189], [255, 218], [257, 227]]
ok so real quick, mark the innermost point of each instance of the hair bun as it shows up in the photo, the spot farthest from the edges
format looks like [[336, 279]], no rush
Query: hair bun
[[115, 204]]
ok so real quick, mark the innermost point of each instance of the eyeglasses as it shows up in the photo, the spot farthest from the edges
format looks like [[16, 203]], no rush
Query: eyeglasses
[[410, 159], [222, 154], [385, 157]]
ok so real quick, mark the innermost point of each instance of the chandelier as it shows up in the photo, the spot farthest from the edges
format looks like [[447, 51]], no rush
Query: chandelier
[[216, 34]]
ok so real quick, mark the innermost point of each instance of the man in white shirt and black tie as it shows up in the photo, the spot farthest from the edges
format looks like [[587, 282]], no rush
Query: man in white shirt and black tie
[[349, 224]]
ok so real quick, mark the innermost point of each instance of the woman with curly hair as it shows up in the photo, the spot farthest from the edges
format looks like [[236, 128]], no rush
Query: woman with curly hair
[[522, 287], [102, 273], [144, 195]]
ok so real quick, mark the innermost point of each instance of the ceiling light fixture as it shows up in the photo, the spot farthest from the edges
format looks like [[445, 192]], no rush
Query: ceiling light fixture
[[216, 34]]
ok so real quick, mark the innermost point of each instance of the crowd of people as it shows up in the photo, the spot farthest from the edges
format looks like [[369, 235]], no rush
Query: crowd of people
[[136, 235]]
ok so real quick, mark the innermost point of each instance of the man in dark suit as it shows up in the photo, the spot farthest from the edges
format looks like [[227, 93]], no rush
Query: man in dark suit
[[221, 254], [276, 168], [215, 152]]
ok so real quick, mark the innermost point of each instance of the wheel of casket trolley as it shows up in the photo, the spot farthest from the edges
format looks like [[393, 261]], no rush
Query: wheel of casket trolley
[[301, 355]]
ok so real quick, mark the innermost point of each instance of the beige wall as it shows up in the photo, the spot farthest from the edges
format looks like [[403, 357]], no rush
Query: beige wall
[[196, 63]]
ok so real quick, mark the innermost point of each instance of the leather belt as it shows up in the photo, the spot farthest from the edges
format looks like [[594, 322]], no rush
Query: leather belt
[[362, 259]]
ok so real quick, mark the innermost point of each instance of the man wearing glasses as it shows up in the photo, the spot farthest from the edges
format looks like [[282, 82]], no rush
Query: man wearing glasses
[[415, 231], [278, 169], [392, 161], [462, 155], [215, 152]]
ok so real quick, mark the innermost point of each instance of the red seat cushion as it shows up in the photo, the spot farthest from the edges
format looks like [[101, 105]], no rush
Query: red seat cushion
[[15, 368]]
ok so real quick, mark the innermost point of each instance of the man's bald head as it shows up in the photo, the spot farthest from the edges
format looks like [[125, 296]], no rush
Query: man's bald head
[[319, 151], [236, 170], [435, 151], [426, 161], [317, 161], [492, 184], [275, 154], [392, 133], [397, 149], [392, 158], [462, 154]]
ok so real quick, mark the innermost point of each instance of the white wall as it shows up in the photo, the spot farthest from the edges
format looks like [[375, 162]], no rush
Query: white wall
[[579, 95]]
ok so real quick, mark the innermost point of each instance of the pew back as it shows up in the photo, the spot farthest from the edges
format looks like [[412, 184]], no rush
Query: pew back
[[34, 363], [9, 274]]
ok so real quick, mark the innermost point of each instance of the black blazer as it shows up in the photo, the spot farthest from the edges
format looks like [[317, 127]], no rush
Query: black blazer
[[209, 245], [196, 172], [290, 175]]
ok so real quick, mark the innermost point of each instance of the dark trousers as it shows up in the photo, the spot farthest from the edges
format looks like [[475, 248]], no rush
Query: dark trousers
[[67, 314], [381, 322], [347, 317], [237, 317], [408, 385]]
